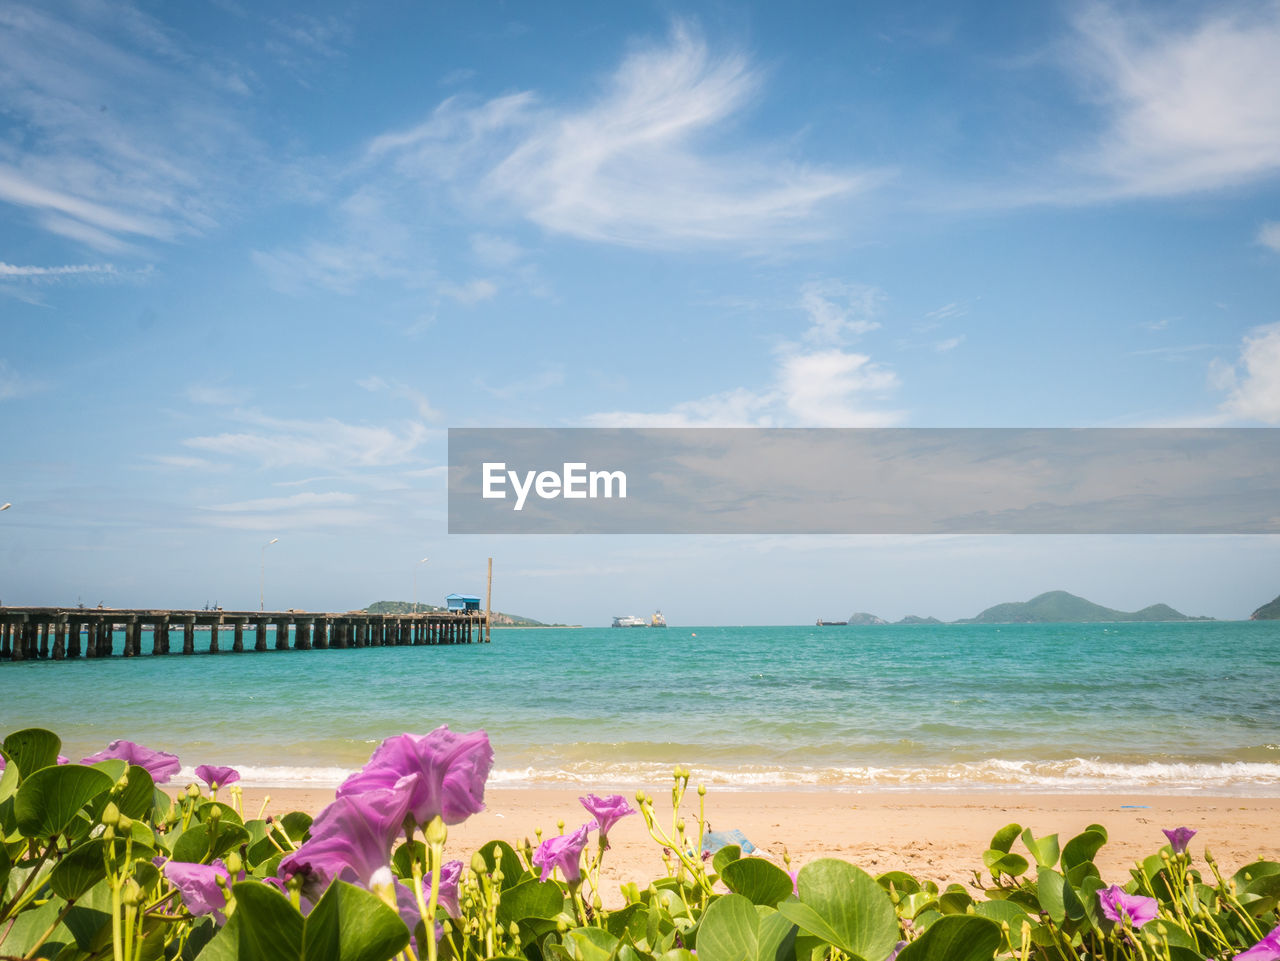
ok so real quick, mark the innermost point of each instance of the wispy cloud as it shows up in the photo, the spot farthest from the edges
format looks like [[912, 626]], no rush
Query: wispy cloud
[[414, 396], [1269, 235], [646, 160], [1252, 382], [949, 344], [14, 385], [95, 156], [14, 271], [817, 381], [632, 166], [1190, 104], [272, 442]]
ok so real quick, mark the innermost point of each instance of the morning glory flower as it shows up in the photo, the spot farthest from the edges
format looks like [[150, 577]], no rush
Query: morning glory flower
[[1179, 838], [443, 773], [161, 765], [350, 839], [217, 777], [450, 875], [1120, 907], [198, 885], [1268, 949], [564, 851], [607, 811]]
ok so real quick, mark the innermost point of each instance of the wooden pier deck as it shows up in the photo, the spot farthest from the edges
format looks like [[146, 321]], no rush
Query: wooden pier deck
[[59, 633]]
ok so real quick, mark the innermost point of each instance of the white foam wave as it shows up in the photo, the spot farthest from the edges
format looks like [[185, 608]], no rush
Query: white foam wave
[[1071, 775], [267, 775]]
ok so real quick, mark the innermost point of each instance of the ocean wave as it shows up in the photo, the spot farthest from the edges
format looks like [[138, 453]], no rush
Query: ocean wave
[[1079, 774]]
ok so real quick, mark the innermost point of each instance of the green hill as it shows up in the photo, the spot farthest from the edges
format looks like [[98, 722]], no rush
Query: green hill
[[914, 619], [1267, 612], [407, 607], [1059, 607]]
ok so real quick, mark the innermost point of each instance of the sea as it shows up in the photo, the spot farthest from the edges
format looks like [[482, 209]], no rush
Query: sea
[[1144, 707]]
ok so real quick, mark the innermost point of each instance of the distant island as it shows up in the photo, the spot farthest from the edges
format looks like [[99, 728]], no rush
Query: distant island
[[407, 607], [1058, 607], [1267, 612]]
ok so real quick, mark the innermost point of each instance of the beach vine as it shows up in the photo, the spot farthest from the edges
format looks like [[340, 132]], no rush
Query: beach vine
[[99, 861]]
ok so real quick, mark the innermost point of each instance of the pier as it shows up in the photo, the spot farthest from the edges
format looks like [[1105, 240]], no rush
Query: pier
[[59, 633]]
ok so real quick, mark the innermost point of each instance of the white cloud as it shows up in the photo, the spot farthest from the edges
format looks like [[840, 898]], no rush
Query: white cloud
[[14, 385], [14, 271], [472, 292], [292, 502], [951, 343], [631, 167], [327, 442], [1191, 105], [421, 405], [1253, 381], [1269, 235], [825, 386], [838, 310], [93, 153]]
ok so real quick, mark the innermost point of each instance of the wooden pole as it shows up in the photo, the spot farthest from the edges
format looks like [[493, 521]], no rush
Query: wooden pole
[[488, 606]]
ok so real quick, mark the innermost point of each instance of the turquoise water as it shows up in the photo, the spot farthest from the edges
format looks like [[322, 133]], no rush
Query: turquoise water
[[1174, 707]]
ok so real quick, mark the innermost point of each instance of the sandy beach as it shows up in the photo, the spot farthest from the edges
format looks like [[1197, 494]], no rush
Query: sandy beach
[[940, 836]]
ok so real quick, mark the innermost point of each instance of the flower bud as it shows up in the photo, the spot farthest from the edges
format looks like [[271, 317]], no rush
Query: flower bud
[[478, 864], [514, 930], [234, 863], [382, 884], [560, 825], [702, 790], [131, 893], [215, 814], [436, 832], [110, 814], [125, 824], [193, 791]]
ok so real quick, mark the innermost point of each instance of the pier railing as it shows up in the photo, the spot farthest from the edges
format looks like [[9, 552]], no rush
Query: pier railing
[[58, 633]]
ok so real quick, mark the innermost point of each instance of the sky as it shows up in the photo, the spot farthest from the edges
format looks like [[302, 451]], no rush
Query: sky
[[256, 259]]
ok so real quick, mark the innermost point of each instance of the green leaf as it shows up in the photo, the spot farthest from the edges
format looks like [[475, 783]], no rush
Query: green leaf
[[729, 930], [1000, 862], [590, 944], [1004, 838], [264, 927], [200, 845], [139, 797], [80, 869], [50, 798], [955, 938], [351, 924], [1005, 912], [32, 749], [500, 854], [902, 882], [226, 813], [726, 855], [1082, 847], [758, 880], [296, 824], [844, 906], [530, 899], [1045, 851]]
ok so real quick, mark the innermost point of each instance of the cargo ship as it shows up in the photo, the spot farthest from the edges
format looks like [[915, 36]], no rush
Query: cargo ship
[[630, 620]]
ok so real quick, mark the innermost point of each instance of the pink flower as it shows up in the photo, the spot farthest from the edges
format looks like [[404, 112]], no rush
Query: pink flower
[[217, 777], [198, 885], [1121, 907], [1179, 838], [350, 839], [564, 851], [607, 811], [1268, 949], [442, 773], [161, 765]]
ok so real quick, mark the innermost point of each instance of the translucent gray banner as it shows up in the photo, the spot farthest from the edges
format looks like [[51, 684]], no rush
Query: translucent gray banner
[[864, 481]]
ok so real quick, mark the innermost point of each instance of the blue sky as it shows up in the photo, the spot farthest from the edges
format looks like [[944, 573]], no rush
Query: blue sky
[[255, 259]]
